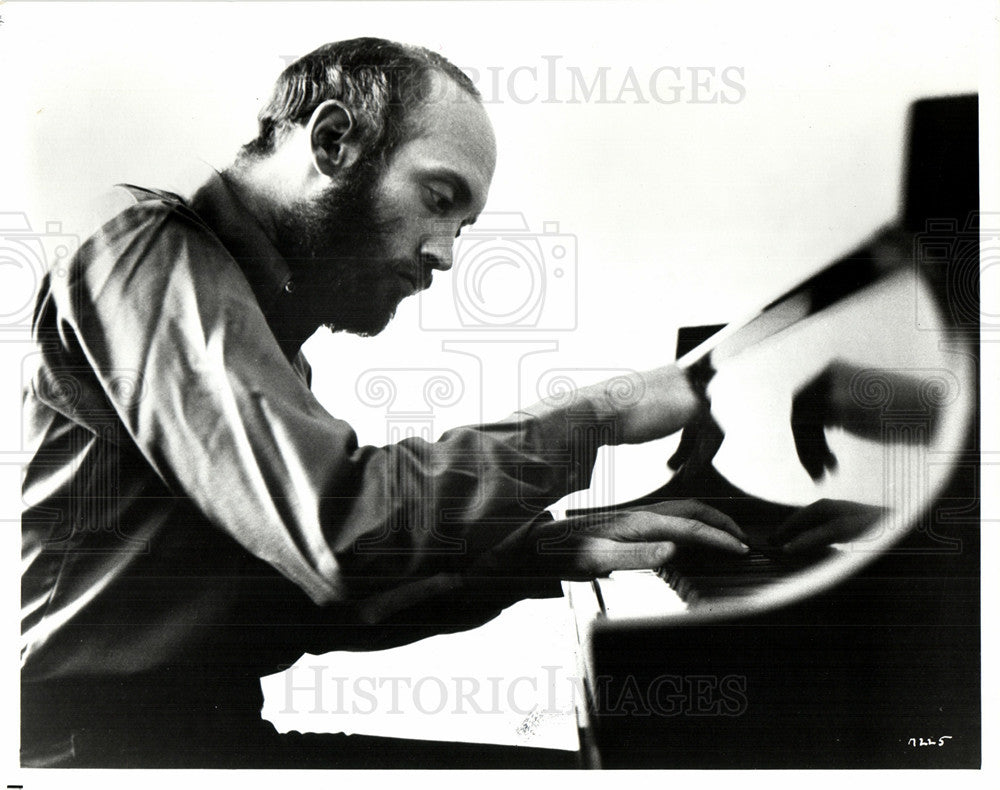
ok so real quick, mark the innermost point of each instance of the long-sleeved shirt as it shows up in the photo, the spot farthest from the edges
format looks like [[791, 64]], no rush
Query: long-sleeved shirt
[[188, 498]]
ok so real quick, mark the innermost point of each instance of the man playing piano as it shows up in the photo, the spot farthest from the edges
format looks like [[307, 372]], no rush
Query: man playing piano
[[195, 519]]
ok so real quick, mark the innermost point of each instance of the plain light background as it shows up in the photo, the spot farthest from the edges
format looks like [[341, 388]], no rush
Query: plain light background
[[678, 213]]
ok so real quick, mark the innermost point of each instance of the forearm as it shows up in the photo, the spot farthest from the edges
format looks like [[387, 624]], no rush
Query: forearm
[[630, 409]]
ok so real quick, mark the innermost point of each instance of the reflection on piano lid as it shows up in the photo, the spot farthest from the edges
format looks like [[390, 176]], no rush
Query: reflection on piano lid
[[885, 310], [755, 475]]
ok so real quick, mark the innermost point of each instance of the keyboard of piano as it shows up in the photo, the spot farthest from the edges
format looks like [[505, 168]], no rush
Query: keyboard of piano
[[701, 578]]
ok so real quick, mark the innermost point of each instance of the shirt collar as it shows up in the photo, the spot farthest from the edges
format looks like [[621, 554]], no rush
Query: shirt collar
[[240, 233]]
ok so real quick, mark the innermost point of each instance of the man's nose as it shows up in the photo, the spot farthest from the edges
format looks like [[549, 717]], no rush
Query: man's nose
[[437, 251]]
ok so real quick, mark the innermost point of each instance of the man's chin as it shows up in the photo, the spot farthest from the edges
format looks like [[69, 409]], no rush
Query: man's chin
[[362, 328], [363, 309], [358, 332]]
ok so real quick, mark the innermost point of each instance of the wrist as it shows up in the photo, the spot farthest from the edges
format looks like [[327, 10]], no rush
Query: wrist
[[665, 401]]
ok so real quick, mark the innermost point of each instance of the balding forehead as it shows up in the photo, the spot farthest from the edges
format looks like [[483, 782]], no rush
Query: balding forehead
[[448, 107], [457, 121]]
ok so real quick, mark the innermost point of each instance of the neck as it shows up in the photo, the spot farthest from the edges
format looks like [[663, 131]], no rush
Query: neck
[[258, 188], [261, 187]]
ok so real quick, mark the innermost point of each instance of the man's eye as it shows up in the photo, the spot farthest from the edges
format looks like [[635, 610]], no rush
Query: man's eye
[[440, 201]]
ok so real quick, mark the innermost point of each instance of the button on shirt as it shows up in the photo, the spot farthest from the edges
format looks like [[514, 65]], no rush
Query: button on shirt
[[188, 495]]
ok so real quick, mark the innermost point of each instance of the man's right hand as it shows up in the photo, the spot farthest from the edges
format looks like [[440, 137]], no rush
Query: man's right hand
[[584, 547]]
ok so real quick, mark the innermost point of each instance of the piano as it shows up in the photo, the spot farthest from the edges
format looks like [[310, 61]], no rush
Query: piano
[[864, 654]]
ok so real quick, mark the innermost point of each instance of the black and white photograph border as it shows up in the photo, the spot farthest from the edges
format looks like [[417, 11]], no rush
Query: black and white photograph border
[[660, 166]]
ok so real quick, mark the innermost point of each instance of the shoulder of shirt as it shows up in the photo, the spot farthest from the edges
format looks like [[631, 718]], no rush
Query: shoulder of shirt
[[145, 194], [130, 199], [114, 231]]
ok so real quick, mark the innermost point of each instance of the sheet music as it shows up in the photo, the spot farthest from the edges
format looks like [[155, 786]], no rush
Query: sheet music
[[512, 681]]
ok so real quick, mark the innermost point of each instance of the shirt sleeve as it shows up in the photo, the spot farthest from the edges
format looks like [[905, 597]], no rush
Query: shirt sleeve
[[224, 419]]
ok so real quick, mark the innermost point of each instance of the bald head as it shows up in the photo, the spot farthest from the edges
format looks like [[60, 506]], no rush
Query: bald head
[[379, 81]]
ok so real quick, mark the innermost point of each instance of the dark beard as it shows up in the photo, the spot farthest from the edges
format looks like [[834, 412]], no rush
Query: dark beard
[[358, 290]]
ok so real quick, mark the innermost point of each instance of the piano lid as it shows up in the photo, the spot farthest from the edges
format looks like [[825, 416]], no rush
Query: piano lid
[[897, 320]]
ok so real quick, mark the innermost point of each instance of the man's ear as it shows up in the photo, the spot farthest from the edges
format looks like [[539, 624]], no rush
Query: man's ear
[[333, 137]]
